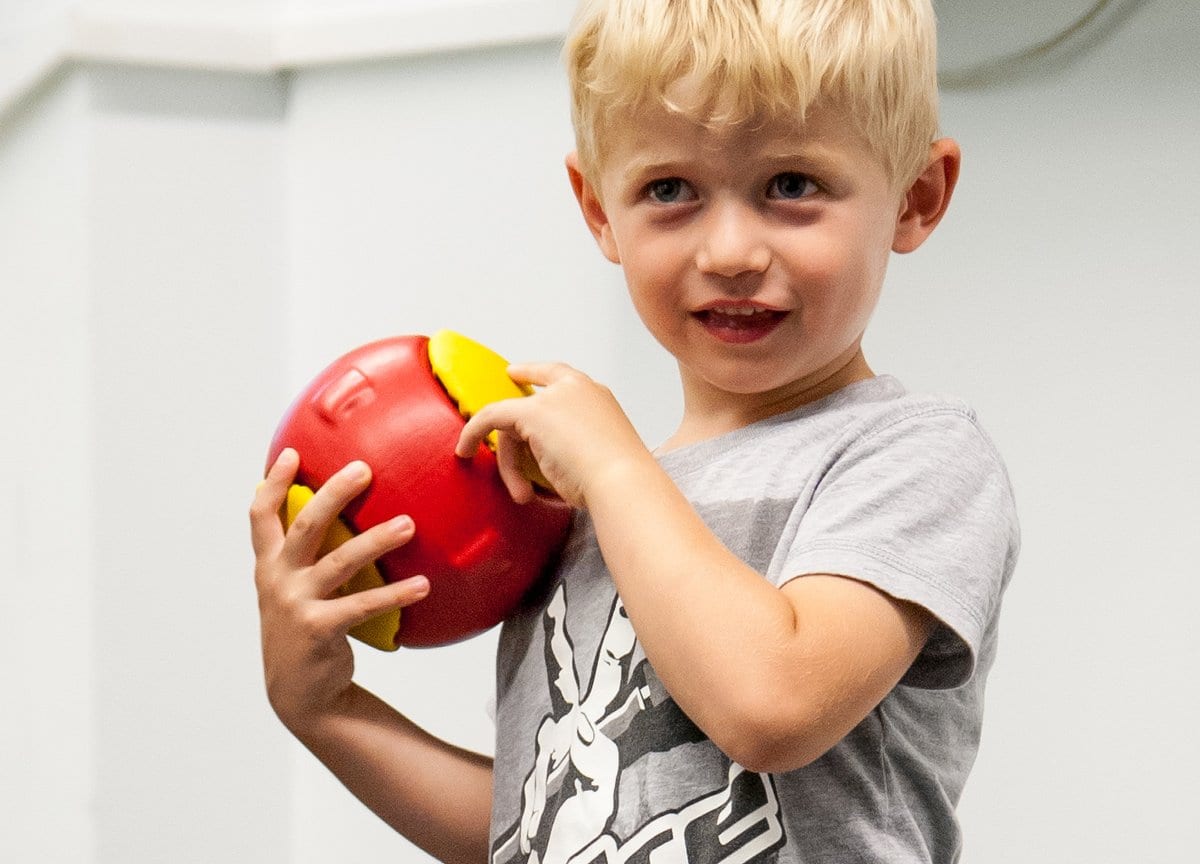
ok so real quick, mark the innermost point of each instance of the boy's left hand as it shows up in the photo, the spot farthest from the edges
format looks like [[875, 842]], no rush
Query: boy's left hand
[[571, 426]]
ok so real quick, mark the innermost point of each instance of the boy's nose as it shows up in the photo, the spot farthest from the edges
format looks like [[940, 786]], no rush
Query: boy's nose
[[732, 245]]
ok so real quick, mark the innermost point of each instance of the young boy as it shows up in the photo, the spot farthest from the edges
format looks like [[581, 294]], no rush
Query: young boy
[[768, 639]]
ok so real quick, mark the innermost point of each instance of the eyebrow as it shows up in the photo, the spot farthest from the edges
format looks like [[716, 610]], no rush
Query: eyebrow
[[654, 168], [823, 158], [815, 159]]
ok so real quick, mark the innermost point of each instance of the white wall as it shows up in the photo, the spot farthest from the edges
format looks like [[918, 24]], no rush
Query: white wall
[[1062, 295], [47, 480], [180, 251], [141, 256], [187, 216]]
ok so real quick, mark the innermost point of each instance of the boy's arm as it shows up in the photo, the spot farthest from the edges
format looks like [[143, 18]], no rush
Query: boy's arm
[[773, 676], [437, 795]]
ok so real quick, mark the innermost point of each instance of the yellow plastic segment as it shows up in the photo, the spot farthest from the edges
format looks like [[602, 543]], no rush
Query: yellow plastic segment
[[475, 376], [472, 374], [379, 632]]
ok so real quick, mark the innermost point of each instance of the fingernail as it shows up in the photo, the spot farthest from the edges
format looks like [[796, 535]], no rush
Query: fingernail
[[358, 470], [402, 523]]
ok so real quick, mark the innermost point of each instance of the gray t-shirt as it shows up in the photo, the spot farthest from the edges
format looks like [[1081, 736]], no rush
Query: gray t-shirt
[[596, 763]]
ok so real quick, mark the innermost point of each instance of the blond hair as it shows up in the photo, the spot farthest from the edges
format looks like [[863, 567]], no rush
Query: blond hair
[[759, 61]]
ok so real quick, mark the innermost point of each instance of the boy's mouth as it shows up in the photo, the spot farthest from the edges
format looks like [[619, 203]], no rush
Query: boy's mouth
[[739, 323]]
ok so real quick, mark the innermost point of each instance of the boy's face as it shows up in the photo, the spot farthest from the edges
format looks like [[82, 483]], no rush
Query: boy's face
[[755, 256]]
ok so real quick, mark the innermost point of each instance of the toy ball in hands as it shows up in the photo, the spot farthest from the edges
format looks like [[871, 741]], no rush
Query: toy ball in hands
[[399, 405]]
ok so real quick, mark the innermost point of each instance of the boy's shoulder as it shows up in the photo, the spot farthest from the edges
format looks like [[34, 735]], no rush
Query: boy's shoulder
[[880, 401], [883, 405], [856, 412], [877, 421]]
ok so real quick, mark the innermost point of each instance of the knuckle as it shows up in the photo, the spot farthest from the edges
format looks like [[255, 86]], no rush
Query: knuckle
[[365, 604], [311, 621], [575, 381], [305, 522], [260, 509], [341, 561], [290, 601]]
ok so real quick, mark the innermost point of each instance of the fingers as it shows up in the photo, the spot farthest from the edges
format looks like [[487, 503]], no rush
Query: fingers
[[306, 534], [512, 461], [517, 466], [339, 565], [540, 374], [355, 609], [266, 531], [514, 421], [290, 575], [504, 416], [499, 416]]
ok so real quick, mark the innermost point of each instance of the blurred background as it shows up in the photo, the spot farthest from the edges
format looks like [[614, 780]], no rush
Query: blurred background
[[203, 203]]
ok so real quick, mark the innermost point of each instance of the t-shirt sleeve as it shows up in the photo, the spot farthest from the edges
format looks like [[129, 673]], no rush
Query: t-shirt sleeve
[[922, 509]]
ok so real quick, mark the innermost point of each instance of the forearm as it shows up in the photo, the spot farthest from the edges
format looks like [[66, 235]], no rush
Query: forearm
[[719, 636], [435, 794]]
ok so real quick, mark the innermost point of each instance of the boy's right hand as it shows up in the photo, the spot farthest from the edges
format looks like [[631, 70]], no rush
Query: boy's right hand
[[307, 660]]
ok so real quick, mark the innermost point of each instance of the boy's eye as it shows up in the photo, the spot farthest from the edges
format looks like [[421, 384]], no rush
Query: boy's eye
[[790, 185], [670, 190]]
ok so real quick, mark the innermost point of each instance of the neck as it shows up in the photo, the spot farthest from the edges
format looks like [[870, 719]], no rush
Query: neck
[[710, 414]]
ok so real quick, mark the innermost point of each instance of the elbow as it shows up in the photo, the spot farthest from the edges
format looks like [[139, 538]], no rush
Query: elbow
[[769, 738], [766, 755]]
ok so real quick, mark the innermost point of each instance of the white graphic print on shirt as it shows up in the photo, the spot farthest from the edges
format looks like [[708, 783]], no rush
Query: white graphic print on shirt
[[570, 797]]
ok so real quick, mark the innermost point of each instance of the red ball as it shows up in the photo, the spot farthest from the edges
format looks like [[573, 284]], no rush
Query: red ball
[[481, 551]]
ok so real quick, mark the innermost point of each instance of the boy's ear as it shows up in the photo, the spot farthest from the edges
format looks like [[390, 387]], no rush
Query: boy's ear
[[592, 209], [927, 198]]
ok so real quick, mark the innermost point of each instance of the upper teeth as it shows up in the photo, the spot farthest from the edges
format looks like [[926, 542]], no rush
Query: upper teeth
[[738, 310]]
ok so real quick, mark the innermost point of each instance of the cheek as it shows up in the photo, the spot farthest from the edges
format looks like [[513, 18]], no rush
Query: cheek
[[844, 279], [831, 270], [859, 250], [651, 267], [644, 280]]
